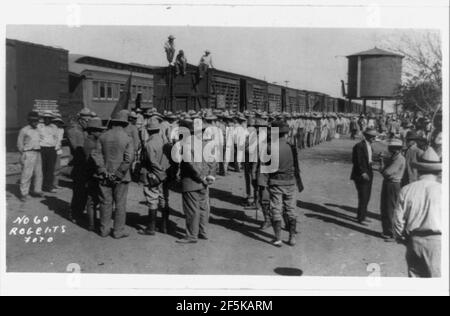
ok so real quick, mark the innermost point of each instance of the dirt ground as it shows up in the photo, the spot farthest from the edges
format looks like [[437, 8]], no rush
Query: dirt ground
[[330, 243]]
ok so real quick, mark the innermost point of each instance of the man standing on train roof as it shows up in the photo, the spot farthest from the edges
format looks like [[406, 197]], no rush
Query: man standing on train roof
[[169, 48], [28, 144], [113, 158], [204, 64]]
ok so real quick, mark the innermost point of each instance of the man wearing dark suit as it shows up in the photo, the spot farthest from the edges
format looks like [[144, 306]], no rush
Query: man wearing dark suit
[[362, 172], [194, 188]]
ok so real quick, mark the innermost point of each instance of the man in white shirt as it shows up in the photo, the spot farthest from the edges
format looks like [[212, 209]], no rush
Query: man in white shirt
[[169, 48], [48, 141], [205, 64], [417, 218], [28, 144]]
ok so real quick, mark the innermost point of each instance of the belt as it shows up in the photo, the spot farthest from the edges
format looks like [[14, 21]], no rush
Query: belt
[[25, 151]]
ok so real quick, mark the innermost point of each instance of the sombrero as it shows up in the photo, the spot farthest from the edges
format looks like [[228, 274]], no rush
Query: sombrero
[[429, 161]]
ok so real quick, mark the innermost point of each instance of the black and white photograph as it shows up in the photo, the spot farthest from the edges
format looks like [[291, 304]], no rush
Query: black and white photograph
[[261, 146]]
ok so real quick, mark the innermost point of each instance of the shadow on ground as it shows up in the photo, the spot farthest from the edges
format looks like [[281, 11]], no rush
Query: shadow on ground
[[288, 271], [329, 216]]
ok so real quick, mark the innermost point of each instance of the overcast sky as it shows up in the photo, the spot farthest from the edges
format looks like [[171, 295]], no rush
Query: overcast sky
[[310, 59]]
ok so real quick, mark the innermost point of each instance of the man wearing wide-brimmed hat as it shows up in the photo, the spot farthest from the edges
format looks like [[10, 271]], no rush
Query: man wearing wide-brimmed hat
[[412, 152], [282, 186], [28, 144], [113, 158], [76, 135], [196, 177], [48, 140], [362, 173], [155, 163], [94, 130], [392, 172], [418, 218]]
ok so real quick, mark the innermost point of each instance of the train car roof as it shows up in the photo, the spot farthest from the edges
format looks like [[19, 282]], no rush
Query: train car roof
[[77, 64], [10, 41]]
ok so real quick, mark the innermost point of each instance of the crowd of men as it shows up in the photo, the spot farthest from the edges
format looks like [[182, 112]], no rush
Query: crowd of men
[[410, 202], [137, 146]]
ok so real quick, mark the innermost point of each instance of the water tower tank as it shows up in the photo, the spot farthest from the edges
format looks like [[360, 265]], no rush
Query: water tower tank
[[374, 74]]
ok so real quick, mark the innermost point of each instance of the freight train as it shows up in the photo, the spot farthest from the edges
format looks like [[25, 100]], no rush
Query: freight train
[[37, 72], [229, 91]]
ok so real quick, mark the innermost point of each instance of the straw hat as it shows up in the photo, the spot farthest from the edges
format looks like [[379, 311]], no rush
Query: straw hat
[[370, 132], [395, 143], [120, 117], [153, 125], [84, 113], [283, 128], [95, 124], [429, 161]]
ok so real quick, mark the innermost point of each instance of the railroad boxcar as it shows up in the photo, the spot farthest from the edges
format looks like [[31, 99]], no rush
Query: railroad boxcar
[[275, 98], [33, 72], [218, 89], [290, 100], [253, 94], [302, 101]]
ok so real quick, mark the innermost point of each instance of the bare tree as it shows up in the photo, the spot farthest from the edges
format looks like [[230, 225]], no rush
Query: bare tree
[[421, 89]]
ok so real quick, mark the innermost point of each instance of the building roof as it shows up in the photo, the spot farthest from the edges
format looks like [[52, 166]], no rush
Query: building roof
[[376, 52]]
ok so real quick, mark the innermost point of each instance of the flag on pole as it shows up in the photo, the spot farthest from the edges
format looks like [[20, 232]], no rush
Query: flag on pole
[[124, 99]]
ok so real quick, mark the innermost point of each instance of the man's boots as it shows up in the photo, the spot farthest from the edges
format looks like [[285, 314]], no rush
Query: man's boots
[[267, 223], [286, 222], [165, 221], [151, 227], [277, 230], [292, 232]]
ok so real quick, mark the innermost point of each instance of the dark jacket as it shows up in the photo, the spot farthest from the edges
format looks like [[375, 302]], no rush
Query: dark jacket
[[115, 154], [193, 173], [90, 145], [285, 174], [361, 163]]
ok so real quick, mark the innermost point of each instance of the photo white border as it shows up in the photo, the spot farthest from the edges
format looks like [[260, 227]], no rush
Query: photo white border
[[404, 14]]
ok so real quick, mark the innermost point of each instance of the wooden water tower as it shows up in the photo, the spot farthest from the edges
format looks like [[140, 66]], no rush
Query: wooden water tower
[[374, 75]]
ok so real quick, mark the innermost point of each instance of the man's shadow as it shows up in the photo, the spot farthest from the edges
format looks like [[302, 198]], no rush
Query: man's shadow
[[140, 222], [58, 206], [354, 210], [329, 216], [228, 219], [226, 196]]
